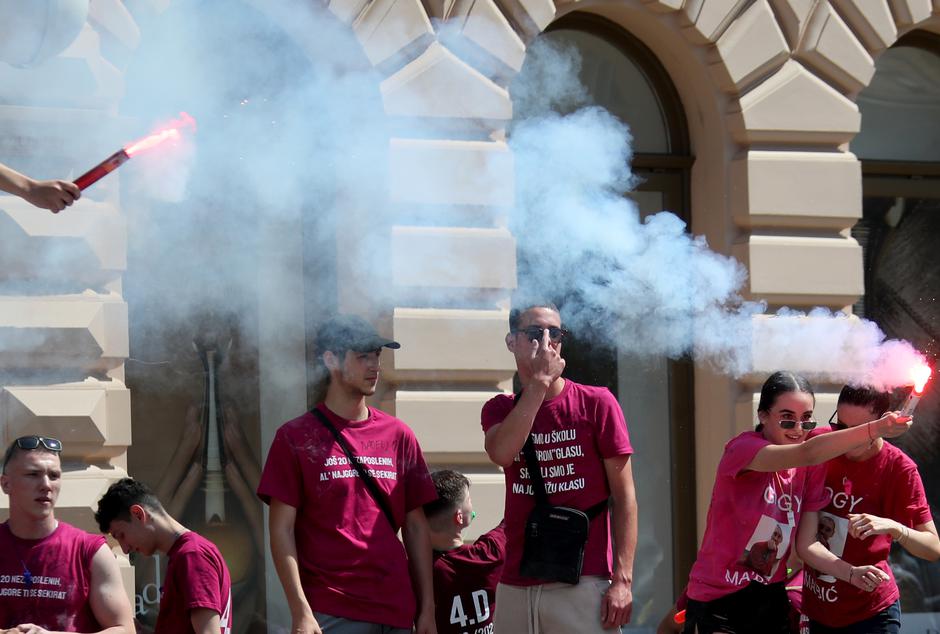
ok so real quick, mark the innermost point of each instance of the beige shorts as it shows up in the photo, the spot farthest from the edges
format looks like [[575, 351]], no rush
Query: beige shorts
[[551, 608]]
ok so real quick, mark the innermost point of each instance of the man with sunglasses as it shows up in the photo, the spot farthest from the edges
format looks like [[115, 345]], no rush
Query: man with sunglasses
[[876, 497], [53, 576], [583, 448], [465, 575]]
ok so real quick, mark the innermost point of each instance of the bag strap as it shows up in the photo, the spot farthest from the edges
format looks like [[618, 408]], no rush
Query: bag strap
[[538, 483], [367, 479]]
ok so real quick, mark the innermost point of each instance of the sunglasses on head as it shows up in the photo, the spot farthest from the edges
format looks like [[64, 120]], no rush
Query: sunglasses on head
[[789, 423], [29, 443], [534, 333]]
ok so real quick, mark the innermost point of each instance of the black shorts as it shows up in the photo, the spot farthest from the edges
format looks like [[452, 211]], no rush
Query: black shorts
[[752, 609]]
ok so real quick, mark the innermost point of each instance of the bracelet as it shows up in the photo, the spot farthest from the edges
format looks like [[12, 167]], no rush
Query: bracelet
[[872, 438], [851, 570]]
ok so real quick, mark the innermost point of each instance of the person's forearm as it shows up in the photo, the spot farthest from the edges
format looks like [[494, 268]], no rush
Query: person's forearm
[[820, 558], [920, 543], [626, 528], [417, 540], [505, 441], [284, 554], [13, 182]]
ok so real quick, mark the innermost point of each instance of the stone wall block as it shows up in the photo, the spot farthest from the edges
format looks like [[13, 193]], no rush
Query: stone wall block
[[449, 257], [451, 172], [78, 77], [871, 20], [795, 106], [663, 6], [386, 27], [796, 189], [439, 85], [111, 17], [708, 19], [486, 26], [530, 16], [907, 13], [428, 348], [446, 422], [86, 332], [830, 47], [751, 47], [91, 418], [792, 16], [347, 10], [88, 244], [828, 271]]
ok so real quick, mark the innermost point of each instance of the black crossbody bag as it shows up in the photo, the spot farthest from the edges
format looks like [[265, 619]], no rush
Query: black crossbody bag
[[367, 479], [553, 549]]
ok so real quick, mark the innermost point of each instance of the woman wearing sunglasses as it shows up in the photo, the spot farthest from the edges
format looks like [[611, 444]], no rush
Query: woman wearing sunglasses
[[766, 479], [876, 497]]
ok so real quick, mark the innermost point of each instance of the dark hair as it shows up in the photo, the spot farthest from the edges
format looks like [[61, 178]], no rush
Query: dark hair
[[451, 488], [877, 402], [521, 307], [116, 503], [781, 382]]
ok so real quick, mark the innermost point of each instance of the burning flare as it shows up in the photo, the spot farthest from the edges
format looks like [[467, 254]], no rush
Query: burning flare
[[171, 131], [920, 375]]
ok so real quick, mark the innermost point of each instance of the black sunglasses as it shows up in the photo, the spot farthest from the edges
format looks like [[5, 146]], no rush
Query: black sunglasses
[[30, 443], [807, 425], [835, 423], [534, 333]]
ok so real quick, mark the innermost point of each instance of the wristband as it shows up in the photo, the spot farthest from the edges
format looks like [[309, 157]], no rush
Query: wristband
[[851, 570]]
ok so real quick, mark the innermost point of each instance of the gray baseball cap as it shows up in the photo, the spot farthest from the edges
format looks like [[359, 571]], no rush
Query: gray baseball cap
[[350, 332]]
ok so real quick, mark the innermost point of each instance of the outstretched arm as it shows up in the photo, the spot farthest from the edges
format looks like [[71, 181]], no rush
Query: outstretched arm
[[819, 449]]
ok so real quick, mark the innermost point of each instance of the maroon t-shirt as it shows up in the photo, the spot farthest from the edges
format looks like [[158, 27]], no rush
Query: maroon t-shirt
[[55, 596], [352, 564], [573, 434], [465, 581], [887, 485], [196, 577]]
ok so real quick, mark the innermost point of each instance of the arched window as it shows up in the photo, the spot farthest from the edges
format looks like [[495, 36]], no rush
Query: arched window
[[620, 74]]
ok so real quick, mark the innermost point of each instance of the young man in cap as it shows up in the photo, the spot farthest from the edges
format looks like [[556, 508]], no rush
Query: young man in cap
[[334, 539], [197, 593], [580, 436], [465, 575], [53, 576]]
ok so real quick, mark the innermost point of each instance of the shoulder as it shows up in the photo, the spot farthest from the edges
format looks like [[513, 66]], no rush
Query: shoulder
[[296, 426], [89, 543], [898, 460], [390, 423], [746, 440]]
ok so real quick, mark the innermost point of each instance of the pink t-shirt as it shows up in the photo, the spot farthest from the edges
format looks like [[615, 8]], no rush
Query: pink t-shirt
[[196, 577], [887, 485], [752, 520], [573, 434], [465, 581], [56, 595], [352, 564]]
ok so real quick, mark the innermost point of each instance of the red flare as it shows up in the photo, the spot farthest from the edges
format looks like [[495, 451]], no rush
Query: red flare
[[171, 131]]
